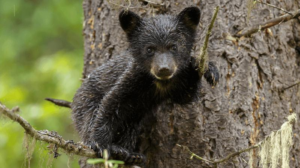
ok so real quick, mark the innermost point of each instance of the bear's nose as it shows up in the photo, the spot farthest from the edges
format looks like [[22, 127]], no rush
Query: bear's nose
[[165, 73]]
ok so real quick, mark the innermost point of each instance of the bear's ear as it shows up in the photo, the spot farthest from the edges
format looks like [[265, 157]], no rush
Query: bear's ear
[[190, 17], [129, 21]]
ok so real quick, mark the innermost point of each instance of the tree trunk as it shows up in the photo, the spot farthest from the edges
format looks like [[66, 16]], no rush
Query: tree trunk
[[248, 102]]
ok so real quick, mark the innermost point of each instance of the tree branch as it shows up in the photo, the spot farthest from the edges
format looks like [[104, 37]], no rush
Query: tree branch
[[62, 103], [268, 24], [49, 136]]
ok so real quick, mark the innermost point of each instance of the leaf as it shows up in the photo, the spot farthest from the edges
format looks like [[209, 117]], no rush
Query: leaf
[[116, 161], [95, 161]]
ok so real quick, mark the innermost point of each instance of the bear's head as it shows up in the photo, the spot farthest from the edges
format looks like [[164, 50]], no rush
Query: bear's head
[[161, 44]]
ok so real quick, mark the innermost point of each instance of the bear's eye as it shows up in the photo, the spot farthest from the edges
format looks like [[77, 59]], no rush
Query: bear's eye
[[173, 47], [150, 50]]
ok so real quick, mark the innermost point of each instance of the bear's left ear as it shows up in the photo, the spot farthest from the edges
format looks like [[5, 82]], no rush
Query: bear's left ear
[[129, 21], [190, 17]]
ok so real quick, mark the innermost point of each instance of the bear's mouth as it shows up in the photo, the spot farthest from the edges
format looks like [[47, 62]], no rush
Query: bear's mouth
[[163, 78], [163, 74]]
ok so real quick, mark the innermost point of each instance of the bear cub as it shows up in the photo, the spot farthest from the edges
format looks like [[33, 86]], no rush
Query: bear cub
[[110, 107]]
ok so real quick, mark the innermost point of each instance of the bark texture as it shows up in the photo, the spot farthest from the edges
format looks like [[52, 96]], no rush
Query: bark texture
[[247, 104]]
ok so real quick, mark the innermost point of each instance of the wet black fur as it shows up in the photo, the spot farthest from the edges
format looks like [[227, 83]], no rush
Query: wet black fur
[[109, 107]]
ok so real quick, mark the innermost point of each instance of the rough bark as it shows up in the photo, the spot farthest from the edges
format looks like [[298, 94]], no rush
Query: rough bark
[[247, 104]]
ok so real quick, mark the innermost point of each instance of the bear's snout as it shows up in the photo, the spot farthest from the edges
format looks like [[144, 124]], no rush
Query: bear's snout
[[165, 73], [163, 66]]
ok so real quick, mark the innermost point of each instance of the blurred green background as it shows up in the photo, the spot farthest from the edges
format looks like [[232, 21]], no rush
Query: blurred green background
[[41, 56]]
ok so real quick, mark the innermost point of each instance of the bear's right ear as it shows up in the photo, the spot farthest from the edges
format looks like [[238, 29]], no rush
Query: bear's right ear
[[190, 17], [129, 21]]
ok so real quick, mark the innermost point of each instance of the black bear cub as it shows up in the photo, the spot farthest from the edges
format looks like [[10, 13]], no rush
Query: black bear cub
[[109, 107]]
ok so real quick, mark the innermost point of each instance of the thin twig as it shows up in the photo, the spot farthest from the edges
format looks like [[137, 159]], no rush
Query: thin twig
[[193, 154], [220, 160], [273, 6], [62, 103], [288, 87], [48, 136], [153, 3], [203, 51], [268, 24], [292, 119], [236, 154]]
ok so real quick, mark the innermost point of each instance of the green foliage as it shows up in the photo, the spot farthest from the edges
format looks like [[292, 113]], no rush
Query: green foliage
[[96, 161], [41, 56], [107, 163]]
